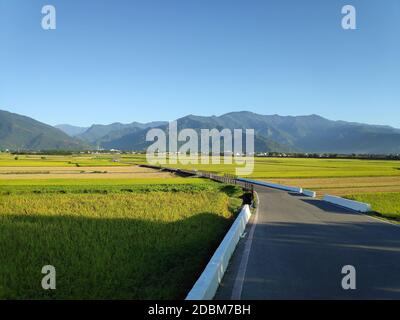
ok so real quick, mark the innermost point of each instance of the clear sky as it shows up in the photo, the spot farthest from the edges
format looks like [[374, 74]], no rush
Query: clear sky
[[144, 60]]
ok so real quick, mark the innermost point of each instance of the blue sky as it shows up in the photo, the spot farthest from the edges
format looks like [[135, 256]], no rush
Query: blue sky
[[144, 60]]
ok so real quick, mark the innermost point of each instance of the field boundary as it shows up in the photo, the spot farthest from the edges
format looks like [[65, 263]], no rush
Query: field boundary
[[349, 204], [207, 284]]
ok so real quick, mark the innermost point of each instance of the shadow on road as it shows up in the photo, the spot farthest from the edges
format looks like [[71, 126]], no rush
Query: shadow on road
[[328, 207], [295, 194], [305, 260]]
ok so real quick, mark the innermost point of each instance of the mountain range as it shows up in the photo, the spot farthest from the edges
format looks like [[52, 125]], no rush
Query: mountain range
[[311, 133], [70, 130], [18, 132]]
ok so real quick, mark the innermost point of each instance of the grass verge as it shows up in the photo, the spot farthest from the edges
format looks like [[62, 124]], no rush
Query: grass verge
[[386, 205]]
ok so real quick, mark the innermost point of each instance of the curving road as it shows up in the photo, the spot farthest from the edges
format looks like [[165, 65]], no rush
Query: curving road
[[295, 248]]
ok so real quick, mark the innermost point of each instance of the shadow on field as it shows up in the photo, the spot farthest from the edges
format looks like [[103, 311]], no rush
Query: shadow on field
[[98, 258], [231, 190]]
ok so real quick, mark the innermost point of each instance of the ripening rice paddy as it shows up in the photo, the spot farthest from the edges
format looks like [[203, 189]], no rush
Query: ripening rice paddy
[[386, 204], [273, 168], [119, 231], [90, 172], [78, 160], [264, 167], [114, 245], [345, 185]]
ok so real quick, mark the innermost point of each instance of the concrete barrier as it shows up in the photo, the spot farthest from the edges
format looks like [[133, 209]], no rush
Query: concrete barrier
[[346, 203], [207, 284], [272, 185], [309, 193]]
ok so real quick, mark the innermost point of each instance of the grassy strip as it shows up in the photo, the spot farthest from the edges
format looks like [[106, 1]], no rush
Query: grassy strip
[[106, 189], [384, 204], [101, 182]]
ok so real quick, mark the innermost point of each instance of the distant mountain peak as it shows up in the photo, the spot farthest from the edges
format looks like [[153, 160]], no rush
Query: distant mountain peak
[[306, 133], [18, 132]]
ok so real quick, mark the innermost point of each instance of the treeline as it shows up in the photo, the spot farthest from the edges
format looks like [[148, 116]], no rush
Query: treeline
[[332, 156], [67, 152], [44, 153], [258, 154]]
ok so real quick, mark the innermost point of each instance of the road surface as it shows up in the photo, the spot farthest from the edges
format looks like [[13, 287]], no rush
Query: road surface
[[295, 248]]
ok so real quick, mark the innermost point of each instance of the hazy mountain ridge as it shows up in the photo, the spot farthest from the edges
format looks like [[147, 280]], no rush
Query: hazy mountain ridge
[[98, 133], [70, 130], [310, 133]]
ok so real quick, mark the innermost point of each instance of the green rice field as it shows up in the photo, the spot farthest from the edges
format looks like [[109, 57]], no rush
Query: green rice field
[[111, 243], [124, 232], [266, 168], [385, 204]]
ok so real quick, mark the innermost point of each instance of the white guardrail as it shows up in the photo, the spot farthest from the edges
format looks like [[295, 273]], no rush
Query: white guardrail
[[346, 203], [272, 185], [207, 284], [309, 193]]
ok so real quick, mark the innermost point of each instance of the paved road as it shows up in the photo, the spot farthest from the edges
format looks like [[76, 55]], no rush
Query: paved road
[[299, 246]]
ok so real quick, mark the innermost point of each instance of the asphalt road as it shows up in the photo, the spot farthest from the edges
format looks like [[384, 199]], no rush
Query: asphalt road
[[295, 248]]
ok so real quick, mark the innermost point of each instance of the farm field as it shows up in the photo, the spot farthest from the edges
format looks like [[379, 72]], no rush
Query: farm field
[[326, 176], [77, 212], [345, 186], [9, 160], [64, 176], [111, 229], [264, 167], [79, 170], [334, 176], [111, 172], [386, 204], [371, 179], [118, 244], [106, 186], [273, 168]]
